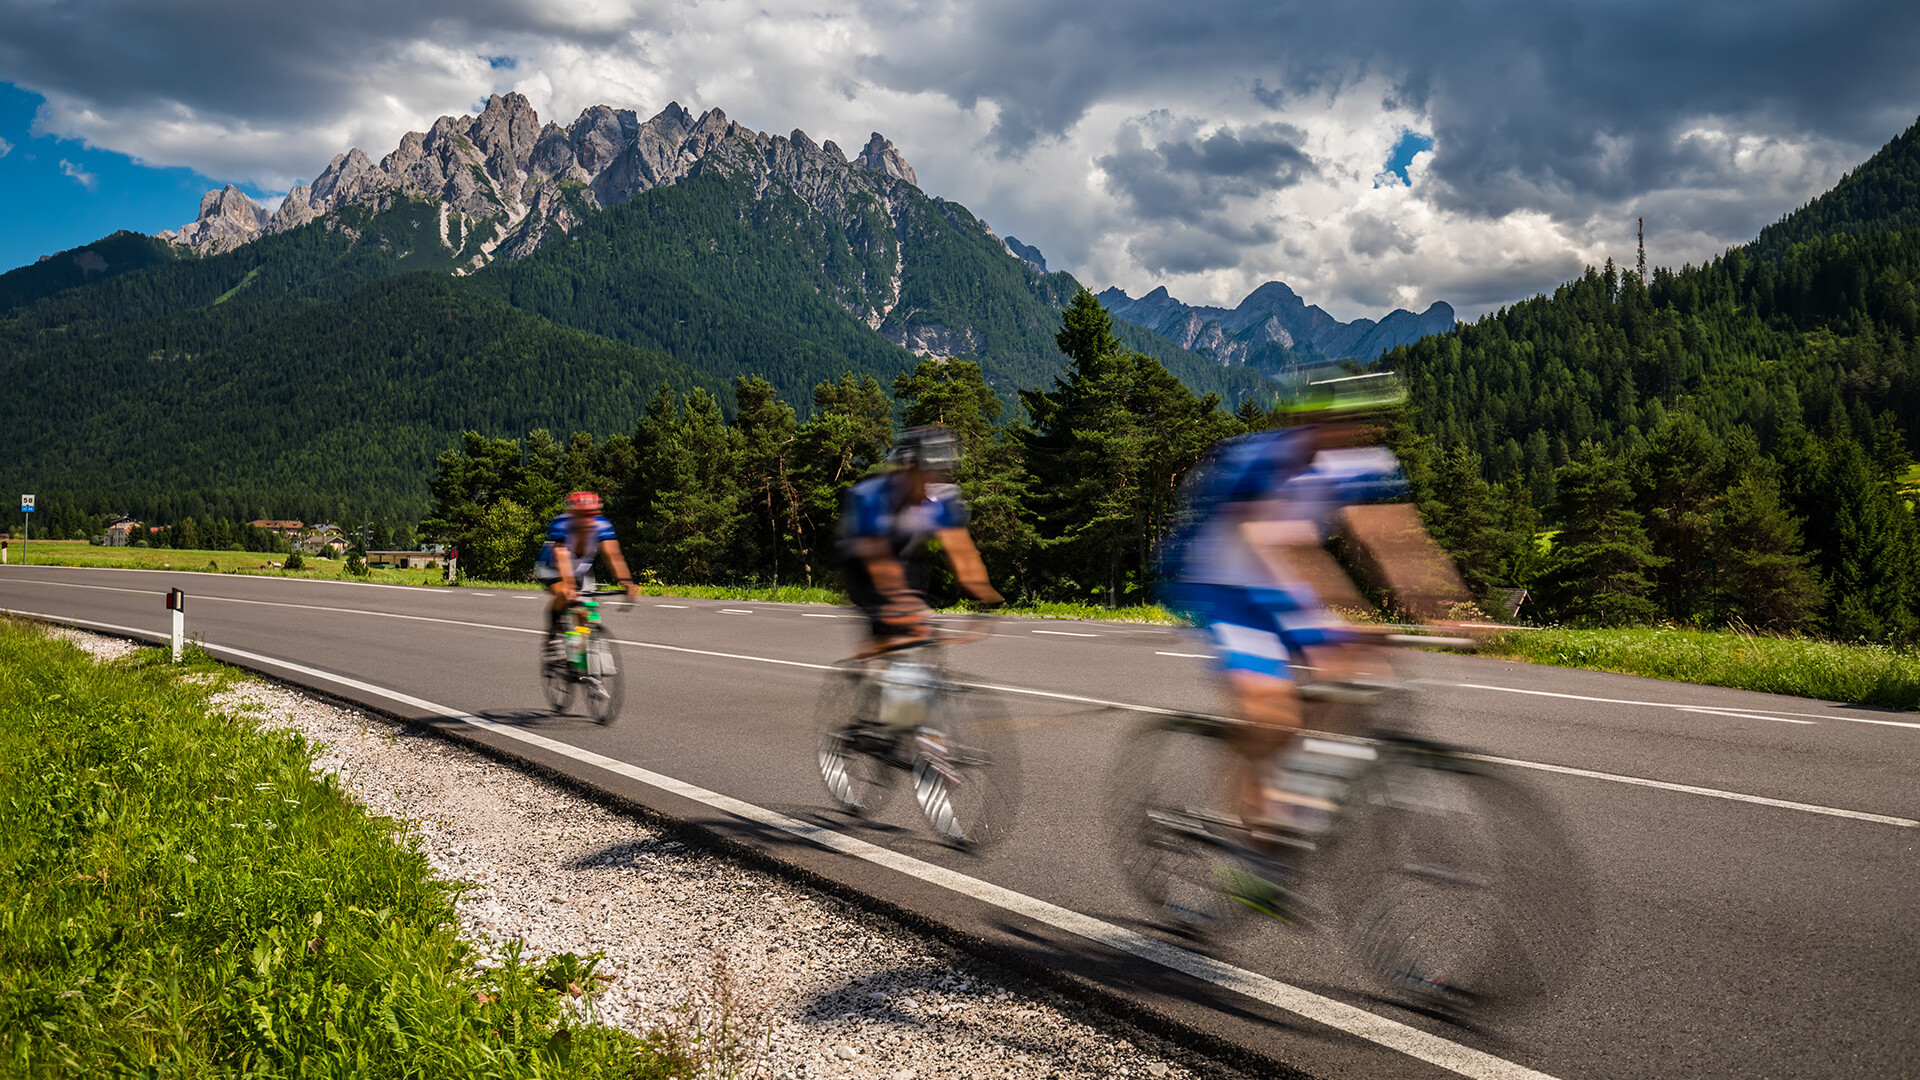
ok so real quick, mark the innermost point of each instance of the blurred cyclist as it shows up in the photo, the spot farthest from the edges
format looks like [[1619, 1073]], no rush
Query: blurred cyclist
[[886, 526], [1248, 567], [566, 559]]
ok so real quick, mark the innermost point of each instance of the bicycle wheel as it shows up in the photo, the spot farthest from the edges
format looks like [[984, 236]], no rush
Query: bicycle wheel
[[852, 747], [557, 681], [966, 767], [605, 681], [1169, 794], [1462, 891]]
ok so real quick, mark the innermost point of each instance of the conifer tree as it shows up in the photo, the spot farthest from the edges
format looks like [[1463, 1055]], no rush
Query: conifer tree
[[1761, 573], [1599, 571]]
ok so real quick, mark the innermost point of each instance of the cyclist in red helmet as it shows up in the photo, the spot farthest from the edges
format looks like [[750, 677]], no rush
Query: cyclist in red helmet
[[565, 565]]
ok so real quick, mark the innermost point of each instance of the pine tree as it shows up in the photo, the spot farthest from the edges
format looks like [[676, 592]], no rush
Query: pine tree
[[769, 432], [1598, 572], [1677, 475], [1761, 574]]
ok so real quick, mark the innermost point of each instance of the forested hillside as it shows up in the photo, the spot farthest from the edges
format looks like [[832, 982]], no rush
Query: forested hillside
[[1741, 428], [317, 371]]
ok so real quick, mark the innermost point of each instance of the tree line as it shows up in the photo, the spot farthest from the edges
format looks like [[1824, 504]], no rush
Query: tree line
[[1070, 497]]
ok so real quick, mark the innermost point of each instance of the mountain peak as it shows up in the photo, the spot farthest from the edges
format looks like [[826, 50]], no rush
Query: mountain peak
[[503, 179], [1273, 315], [881, 157]]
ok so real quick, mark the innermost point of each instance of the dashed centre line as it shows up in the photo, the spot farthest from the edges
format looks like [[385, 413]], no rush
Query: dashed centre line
[[1188, 655], [679, 607], [1064, 633], [734, 611]]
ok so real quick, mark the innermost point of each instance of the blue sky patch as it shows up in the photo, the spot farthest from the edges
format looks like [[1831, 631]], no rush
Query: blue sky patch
[[498, 62], [1411, 143], [70, 195]]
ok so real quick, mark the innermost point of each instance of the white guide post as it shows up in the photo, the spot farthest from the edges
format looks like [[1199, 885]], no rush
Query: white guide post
[[177, 603]]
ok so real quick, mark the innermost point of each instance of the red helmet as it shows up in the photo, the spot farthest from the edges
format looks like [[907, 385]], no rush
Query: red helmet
[[583, 500]]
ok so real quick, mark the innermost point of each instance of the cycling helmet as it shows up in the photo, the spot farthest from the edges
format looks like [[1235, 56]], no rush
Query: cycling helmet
[[583, 500], [933, 448]]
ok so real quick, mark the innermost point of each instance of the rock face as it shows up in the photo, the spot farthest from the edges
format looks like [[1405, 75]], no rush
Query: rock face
[[228, 218], [1273, 314], [1028, 254], [504, 181]]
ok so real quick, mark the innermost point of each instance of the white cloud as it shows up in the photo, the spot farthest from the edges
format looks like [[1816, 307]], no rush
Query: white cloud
[[84, 178], [5, 148], [1128, 149]]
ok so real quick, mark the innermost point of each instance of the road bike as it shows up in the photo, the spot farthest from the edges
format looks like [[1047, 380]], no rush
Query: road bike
[[1454, 886], [900, 714], [586, 663]]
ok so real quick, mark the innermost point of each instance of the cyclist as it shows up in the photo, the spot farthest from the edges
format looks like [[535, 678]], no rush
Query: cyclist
[[886, 525], [1249, 569], [565, 565]]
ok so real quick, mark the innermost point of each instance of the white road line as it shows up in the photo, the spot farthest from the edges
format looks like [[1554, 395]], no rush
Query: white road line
[[1810, 808], [680, 607], [1716, 793], [1063, 633], [1744, 714], [1188, 655], [1379, 1030], [734, 611], [816, 615]]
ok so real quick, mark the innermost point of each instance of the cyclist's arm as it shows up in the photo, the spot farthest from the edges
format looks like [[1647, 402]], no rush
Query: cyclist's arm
[[876, 554], [967, 564], [618, 563], [563, 565]]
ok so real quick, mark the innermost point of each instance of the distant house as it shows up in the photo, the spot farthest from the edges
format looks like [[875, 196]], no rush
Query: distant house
[[321, 539], [284, 528], [120, 531], [406, 560]]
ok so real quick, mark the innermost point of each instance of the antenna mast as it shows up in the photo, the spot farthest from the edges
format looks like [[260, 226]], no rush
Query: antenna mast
[[1642, 264]]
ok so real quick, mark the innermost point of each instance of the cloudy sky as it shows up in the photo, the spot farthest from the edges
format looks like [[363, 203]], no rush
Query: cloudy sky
[[1371, 154]]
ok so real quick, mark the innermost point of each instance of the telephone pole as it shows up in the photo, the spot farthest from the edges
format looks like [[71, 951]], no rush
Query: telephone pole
[[1642, 264]]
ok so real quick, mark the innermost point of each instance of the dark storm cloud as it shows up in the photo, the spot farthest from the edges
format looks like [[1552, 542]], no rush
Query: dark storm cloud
[[1534, 105], [262, 63], [1189, 176]]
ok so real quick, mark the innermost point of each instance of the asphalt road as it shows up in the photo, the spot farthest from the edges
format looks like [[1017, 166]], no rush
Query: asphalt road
[[1752, 856]]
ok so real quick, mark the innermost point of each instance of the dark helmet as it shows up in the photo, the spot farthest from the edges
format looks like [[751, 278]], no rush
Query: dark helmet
[[933, 448]]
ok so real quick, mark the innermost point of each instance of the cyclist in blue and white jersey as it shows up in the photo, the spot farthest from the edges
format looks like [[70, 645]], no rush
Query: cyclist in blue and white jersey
[[565, 565], [1259, 509], [886, 526]]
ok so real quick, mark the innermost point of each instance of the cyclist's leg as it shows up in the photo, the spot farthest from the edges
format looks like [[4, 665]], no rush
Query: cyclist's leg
[[1254, 661]]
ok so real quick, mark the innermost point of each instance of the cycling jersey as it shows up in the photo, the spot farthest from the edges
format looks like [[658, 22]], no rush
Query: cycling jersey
[[877, 508], [582, 545], [1215, 578]]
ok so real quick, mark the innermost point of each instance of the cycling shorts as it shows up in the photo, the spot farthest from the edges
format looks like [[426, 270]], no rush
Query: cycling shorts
[[1255, 629], [545, 573]]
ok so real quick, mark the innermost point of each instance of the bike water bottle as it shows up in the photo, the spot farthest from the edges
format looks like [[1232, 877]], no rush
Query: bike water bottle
[[577, 647], [905, 688]]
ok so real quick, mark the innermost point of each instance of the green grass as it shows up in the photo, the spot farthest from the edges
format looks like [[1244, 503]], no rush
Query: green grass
[[179, 895], [81, 553], [1801, 667]]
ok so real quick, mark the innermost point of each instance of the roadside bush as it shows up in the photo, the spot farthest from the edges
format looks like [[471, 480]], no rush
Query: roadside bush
[[294, 562]]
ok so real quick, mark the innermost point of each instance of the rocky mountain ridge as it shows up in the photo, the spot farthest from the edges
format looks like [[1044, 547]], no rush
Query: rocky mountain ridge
[[503, 180], [1274, 317]]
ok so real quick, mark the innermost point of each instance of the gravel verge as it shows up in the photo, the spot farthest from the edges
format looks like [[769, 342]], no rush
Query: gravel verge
[[787, 981]]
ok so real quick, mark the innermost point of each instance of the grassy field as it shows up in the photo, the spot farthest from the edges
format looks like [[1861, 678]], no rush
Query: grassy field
[[81, 553], [179, 895], [1858, 674]]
